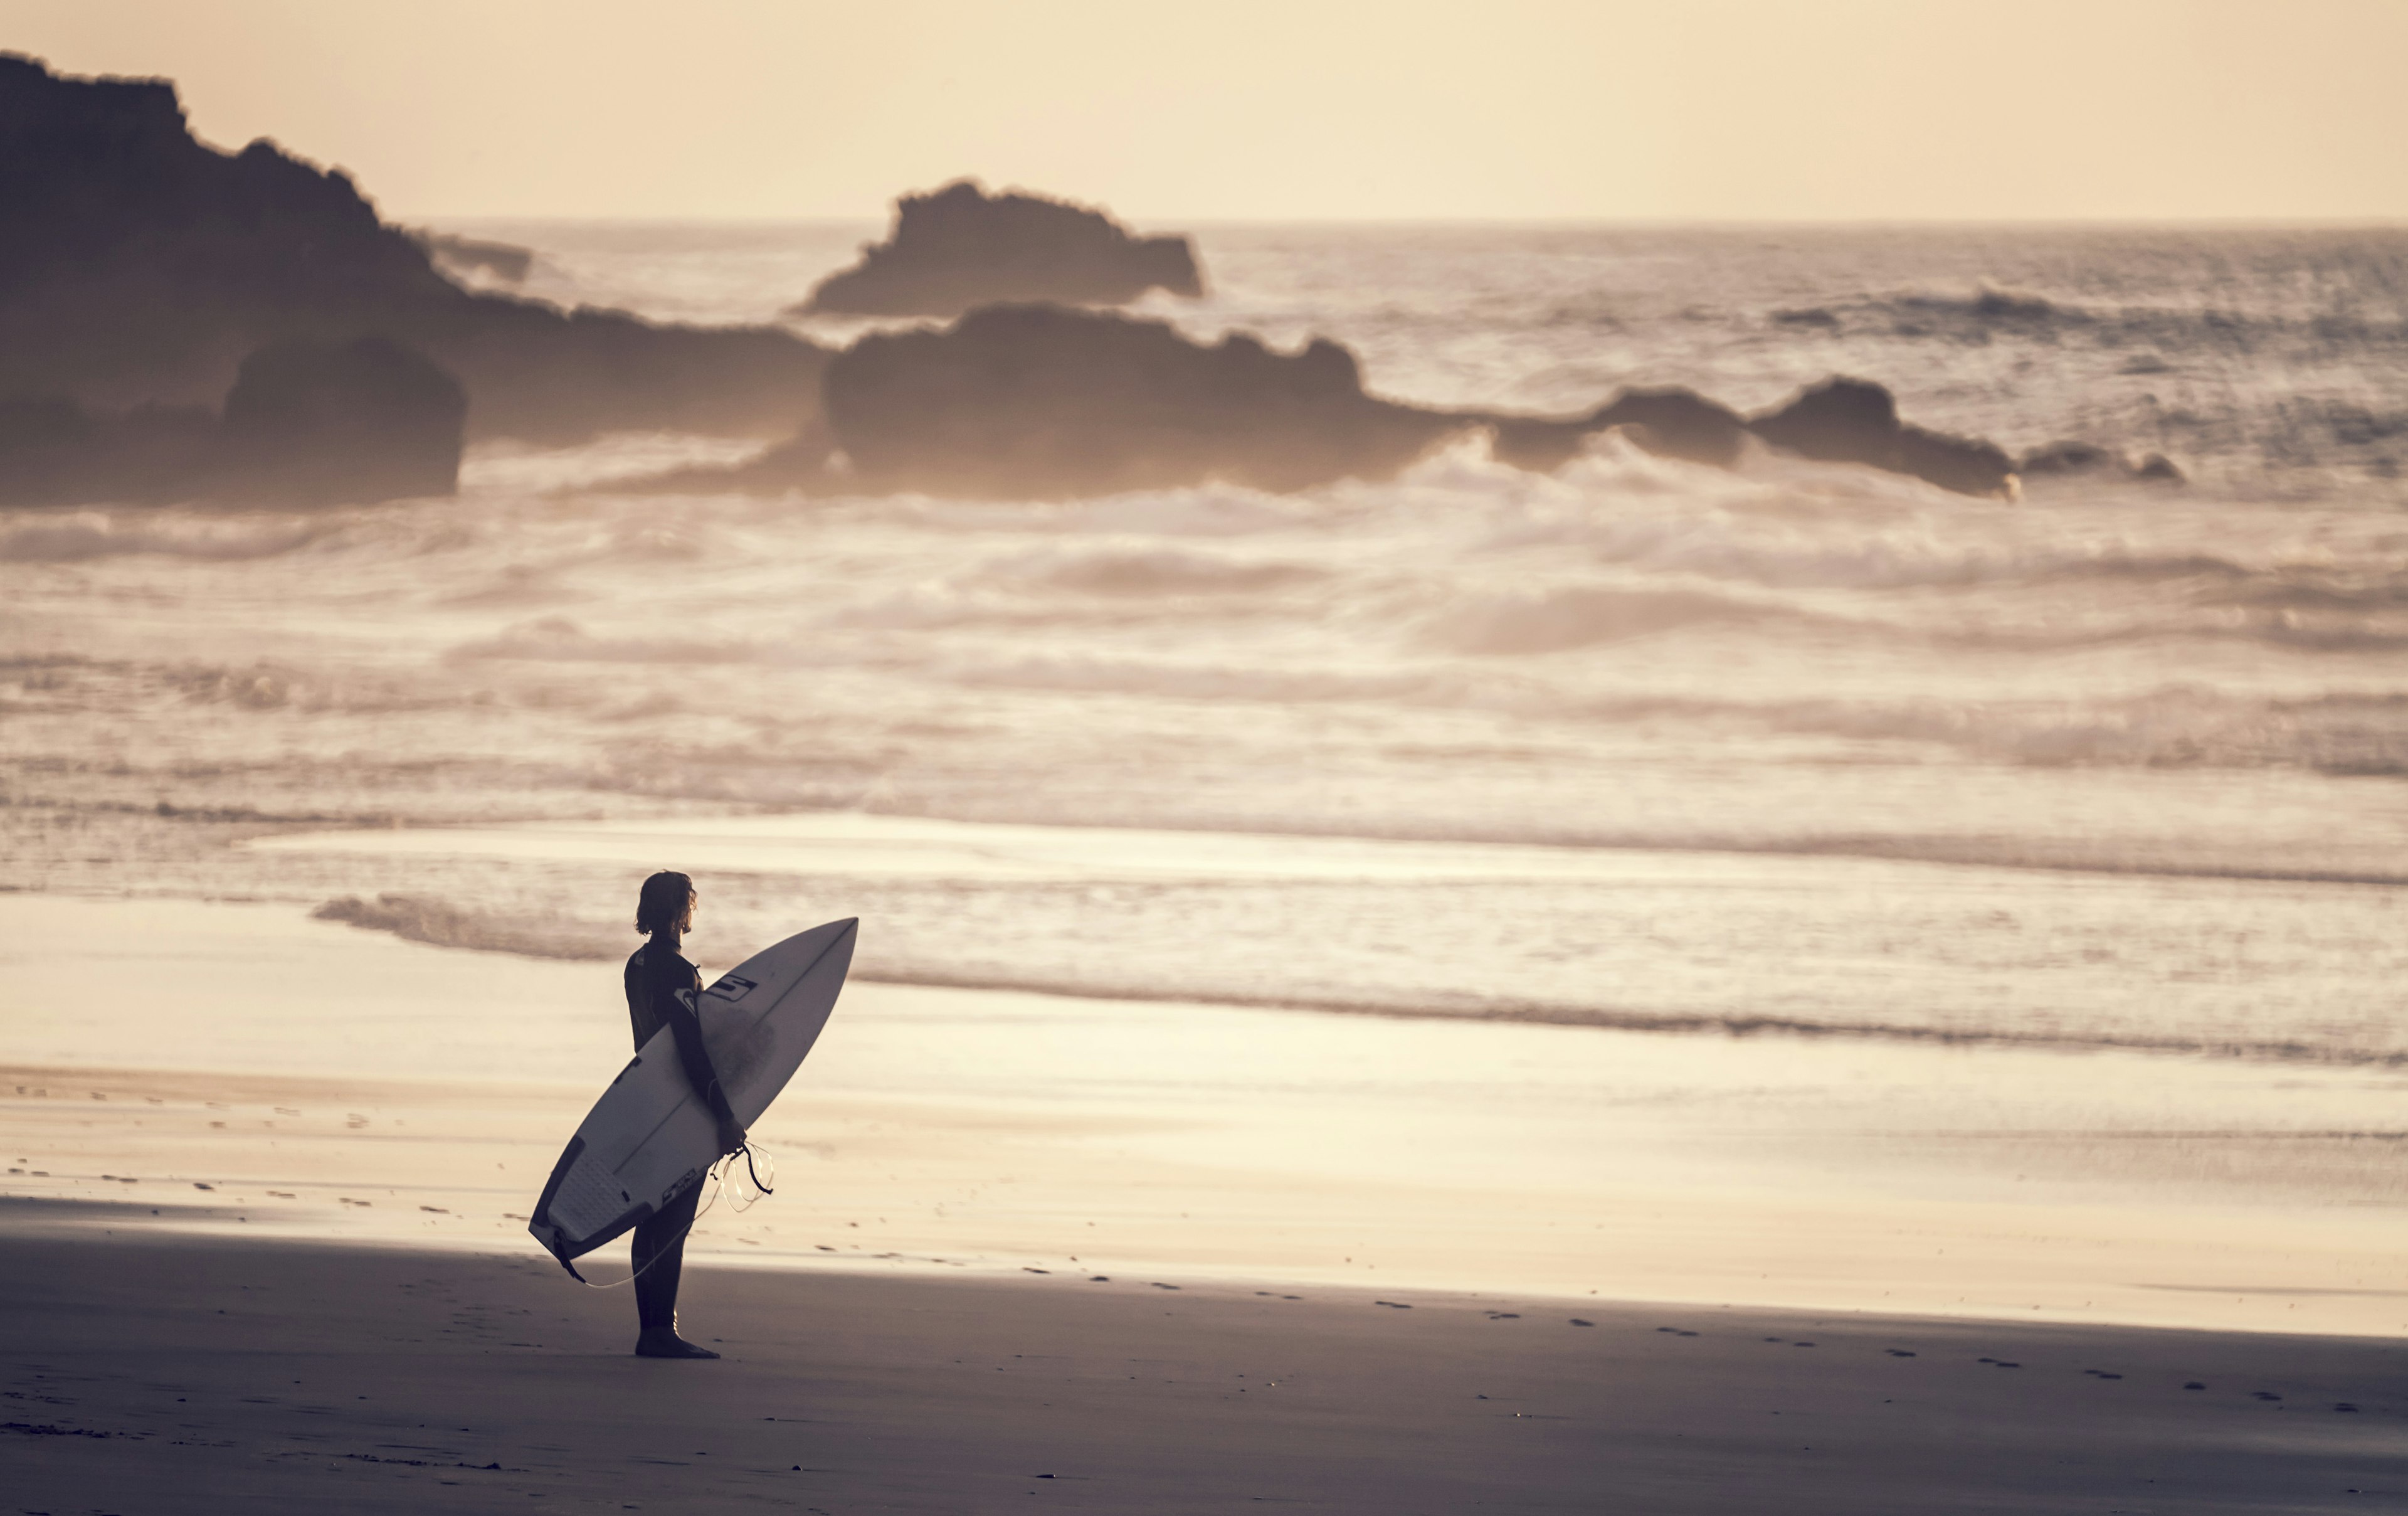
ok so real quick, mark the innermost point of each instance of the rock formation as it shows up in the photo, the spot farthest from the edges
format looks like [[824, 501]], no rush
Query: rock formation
[[138, 266], [325, 422], [961, 247], [1838, 421], [2057, 460], [1856, 421], [52, 452], [1046, 401], [1672, 423], [306, 424]]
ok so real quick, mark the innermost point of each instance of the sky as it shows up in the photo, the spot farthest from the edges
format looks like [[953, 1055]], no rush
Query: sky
[[1299, 110]]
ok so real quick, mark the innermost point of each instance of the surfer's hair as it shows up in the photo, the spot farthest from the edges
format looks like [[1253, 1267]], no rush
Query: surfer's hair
[[664, 903]]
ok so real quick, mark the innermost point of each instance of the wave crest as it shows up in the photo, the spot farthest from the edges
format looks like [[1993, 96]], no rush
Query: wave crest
[[1568, 617], [416, 919], [89, 535]]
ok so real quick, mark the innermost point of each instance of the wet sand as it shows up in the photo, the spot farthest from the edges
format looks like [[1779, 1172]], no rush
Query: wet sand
[[166, 1375], [324, 1082]]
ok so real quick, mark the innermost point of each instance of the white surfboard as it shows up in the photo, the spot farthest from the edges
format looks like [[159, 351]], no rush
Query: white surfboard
[[650, 1137]]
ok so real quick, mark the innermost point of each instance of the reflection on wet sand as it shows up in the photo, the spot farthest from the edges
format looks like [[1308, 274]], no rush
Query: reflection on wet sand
[[361, 1087]]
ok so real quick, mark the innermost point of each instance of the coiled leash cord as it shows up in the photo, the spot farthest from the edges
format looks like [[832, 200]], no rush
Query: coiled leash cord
[[719, 1172]]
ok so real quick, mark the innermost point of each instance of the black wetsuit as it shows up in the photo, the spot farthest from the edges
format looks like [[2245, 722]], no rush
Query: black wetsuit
[[655, 975]]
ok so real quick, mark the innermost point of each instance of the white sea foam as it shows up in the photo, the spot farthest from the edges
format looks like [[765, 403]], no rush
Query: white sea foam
[[41, 537]]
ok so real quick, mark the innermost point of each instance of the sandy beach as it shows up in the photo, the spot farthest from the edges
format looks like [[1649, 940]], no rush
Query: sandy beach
[[191, 1375], [268, 1245], [246, 1067]]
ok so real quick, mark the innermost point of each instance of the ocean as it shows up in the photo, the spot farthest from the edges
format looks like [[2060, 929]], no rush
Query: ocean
[[1793, 750]]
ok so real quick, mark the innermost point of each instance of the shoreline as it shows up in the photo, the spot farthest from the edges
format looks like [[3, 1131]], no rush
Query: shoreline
[[336, 1084], [379, 1380]]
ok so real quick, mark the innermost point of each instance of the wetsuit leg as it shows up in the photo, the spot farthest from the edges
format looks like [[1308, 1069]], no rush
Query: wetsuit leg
[[660, 1254]]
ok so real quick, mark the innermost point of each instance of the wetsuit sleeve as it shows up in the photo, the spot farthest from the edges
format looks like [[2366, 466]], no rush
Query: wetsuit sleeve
[[686, 1028]]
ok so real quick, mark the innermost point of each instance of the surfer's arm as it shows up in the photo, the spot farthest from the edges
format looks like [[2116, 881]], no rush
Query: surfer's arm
[[685, 1027]]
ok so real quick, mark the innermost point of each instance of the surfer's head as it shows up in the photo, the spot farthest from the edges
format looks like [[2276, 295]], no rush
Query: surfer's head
[[665, 903]]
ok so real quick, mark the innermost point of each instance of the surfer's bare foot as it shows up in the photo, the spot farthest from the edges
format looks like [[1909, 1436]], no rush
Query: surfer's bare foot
[[669, 1345]]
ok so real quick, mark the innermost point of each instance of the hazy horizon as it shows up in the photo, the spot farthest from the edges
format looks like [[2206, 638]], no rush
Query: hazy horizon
[[873, 222], [1740, 113]]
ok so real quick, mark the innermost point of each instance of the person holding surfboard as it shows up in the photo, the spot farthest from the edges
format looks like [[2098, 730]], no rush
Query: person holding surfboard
[[656, 972]]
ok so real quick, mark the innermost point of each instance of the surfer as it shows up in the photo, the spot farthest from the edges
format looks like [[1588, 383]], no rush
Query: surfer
[[655, 972]]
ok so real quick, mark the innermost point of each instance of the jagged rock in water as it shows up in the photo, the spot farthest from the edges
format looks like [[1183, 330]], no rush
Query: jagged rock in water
[[1044, 401], [140, 266], [315, 423], [2066, 458], [1672, 423], [1856, 421], [961, 247], [306, 424]]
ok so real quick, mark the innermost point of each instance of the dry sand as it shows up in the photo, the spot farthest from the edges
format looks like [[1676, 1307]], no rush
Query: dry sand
[[203, 1375]]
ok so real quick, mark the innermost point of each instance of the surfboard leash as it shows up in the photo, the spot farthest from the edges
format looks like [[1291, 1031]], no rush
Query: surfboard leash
[[719, 1172], [758, 1183]]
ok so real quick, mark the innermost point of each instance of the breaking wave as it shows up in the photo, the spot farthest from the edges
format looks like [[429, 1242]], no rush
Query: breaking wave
[[1150, 571], [437, 923], [1568, 617], [431, 921], [88, 535]]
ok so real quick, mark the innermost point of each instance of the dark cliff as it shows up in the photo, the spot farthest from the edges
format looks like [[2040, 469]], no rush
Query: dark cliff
[[140, 266]]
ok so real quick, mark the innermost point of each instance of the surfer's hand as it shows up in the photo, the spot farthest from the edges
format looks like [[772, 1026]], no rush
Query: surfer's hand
[[731, 1137]]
